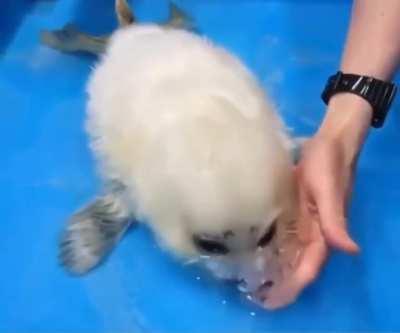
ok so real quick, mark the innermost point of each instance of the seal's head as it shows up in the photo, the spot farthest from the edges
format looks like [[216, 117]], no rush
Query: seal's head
[[234, 221]]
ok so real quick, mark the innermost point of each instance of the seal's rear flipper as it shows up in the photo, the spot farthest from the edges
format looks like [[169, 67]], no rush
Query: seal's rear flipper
[[70, 39], [124, 13], [179, 19]]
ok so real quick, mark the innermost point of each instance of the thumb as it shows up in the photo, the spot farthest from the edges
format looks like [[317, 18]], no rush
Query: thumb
[[331, 210]]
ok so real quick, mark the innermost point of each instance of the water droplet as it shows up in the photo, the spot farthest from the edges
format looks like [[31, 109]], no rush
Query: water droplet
[[242, 286], [223, 302], [198, 278], [249, 297], [252, 314]]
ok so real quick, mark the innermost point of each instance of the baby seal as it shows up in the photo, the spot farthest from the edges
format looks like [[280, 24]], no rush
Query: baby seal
[[186, 140]]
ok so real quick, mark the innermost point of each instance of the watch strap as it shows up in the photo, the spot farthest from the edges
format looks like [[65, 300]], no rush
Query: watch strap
[[379, 94]]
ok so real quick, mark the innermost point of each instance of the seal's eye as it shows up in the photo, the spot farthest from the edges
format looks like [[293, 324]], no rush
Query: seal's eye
[[210, 246], [267, 237]]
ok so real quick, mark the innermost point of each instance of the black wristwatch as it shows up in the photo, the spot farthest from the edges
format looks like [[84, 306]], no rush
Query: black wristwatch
[[379, 94]]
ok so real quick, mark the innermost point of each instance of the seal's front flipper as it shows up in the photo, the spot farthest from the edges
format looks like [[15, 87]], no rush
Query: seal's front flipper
[[93, 232], [70, 39]]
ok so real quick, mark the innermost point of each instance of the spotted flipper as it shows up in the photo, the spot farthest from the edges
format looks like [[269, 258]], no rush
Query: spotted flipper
[[70, 39], [124, 13], [178, 19], [93, 232]]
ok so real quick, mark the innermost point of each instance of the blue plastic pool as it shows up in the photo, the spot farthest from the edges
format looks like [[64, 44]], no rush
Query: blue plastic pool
[[46, 172]]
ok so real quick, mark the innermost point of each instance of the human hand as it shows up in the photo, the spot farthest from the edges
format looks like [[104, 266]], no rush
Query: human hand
[[326, 169], [324, 178], [308, 252]]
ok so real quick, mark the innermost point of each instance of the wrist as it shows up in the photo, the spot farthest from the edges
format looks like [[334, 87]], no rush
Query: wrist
[[347, 122]]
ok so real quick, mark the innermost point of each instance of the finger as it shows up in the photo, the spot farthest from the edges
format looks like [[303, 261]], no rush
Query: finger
[[312, 260], [304, 218], [331, 210], [305, 214], [314, 256], [294, 283]]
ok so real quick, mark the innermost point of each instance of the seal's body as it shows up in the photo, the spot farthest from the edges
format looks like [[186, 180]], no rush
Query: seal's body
[[187, 141]]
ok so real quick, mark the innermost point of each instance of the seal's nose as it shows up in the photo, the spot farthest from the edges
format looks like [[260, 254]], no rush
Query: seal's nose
[[267, 284]]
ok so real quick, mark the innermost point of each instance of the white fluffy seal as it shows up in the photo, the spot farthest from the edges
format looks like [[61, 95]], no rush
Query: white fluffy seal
[[190, 144]]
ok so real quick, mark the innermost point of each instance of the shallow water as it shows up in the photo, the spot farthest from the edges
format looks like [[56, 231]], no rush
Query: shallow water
[[46, 172]]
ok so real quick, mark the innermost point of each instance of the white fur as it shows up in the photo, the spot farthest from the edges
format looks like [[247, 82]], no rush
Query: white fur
[[185, 126]]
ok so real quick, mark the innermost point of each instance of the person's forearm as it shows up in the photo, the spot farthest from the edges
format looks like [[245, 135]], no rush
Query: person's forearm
[[373, 49], [373, 44]]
